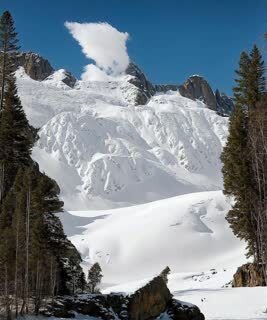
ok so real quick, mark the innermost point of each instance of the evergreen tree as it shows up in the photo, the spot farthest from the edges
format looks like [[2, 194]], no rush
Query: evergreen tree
[[82, 282], [45, 196], [242, 81], [8, 48], [237, 157], [19, 235], [250, 81], [94, 277], [237, 178], [256, 86], [36, 258], [16, 138]]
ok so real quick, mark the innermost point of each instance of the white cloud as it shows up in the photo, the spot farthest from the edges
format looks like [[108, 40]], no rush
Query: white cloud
[[105, 45]]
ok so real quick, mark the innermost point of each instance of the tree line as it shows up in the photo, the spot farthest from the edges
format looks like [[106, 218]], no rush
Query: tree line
[[245, 157], [37, 261]]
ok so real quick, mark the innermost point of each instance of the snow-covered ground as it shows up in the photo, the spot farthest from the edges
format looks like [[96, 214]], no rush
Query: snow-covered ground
[[188, 233], [207, 290], [155, 173]]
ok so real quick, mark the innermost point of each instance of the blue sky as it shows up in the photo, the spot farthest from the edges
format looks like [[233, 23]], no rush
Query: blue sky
[[170, 40]]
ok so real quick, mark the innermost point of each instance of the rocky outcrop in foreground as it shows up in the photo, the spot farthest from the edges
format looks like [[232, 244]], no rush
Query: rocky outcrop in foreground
[[147, 303], [249, 275]]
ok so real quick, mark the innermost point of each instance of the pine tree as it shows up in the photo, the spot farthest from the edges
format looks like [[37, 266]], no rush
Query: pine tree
[[6, 268], [250, 81], [36, 258], [237, 180], [8, 48], [22, 132], [82, 282], [94, 277], [16, 138], [256, 86], [19, 234], [242, 81], [237, 157], [45, 197]]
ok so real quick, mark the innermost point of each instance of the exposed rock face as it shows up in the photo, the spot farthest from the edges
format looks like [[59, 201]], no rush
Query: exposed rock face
[[69, 79], [249, 275], [149, 301], [146, 89], [197, 87], [35, 66], [225, 105]]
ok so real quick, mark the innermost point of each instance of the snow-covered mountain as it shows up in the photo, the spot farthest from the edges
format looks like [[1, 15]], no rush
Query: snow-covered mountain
[[140, 173], [105, 151]]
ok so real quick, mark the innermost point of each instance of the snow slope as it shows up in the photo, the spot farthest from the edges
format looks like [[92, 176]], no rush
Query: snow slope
[[187, 233], [105, 152]]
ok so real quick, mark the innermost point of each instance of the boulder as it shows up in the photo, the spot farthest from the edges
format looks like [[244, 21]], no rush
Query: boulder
[[149, 301], [118, 303], [249, 275], [69, 79], [179, 310]]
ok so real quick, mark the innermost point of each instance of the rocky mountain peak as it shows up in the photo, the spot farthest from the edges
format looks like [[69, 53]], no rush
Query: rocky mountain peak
[[225, 104], [145, 89], [196, 87], [34, 65]]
